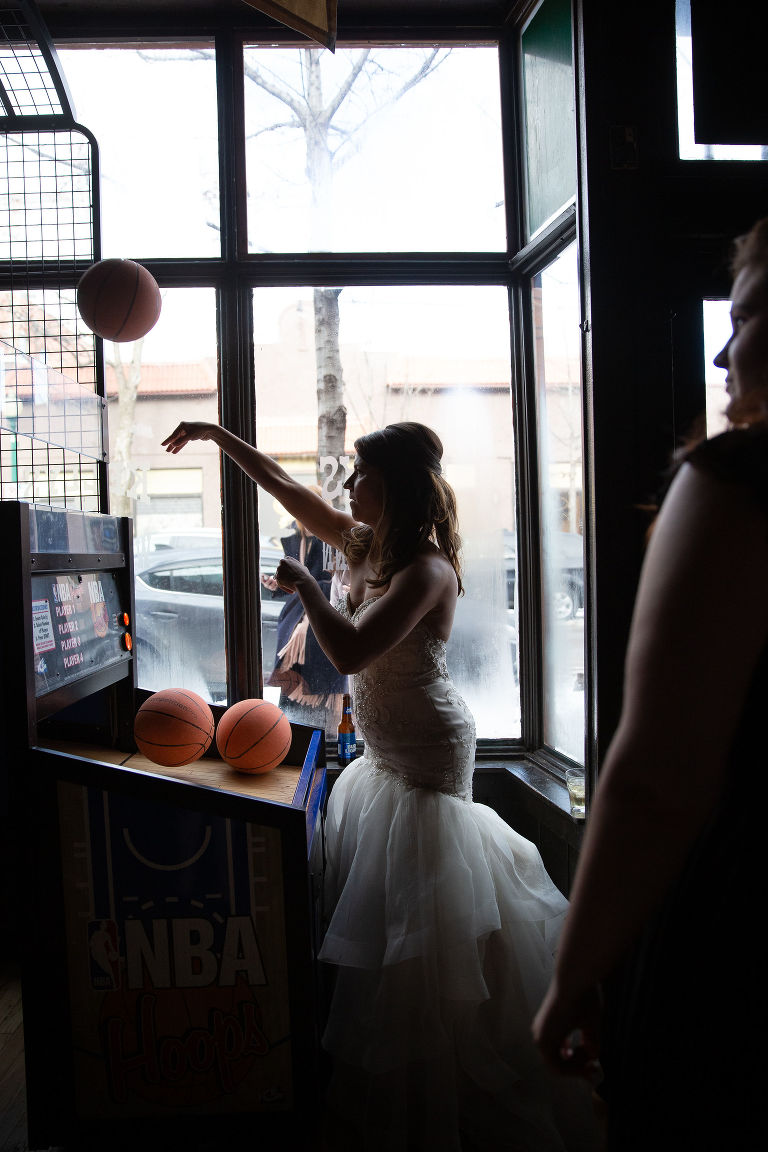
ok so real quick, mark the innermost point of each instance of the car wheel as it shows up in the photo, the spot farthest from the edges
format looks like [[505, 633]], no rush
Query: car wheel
[[563, 604]]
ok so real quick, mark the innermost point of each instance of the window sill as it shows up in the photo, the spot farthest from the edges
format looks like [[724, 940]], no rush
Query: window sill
[[535, 803], [550, 791], [538, 782], [543, 784]]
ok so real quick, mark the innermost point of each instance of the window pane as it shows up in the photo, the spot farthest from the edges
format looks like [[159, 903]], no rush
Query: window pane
[[438, 355], [550, 112], [717, 330], [688, 149], [558, 386], [153, 113], [175, 501], [408, 160]]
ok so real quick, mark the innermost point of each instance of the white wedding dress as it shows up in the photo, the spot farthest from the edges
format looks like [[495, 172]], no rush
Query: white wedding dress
[[443, 923]]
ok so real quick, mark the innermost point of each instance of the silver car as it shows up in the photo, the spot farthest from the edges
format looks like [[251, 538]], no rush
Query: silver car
[[179, 628]]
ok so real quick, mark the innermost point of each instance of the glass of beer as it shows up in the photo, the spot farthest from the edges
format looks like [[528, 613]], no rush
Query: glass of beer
[[574, 778]]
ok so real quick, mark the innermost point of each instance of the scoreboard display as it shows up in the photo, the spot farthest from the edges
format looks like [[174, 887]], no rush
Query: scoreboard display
[[70, 573], [79, 625]]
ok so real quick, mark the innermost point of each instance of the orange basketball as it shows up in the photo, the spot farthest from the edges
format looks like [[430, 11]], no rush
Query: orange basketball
[[119, 300], [173, 727], [253, 736]]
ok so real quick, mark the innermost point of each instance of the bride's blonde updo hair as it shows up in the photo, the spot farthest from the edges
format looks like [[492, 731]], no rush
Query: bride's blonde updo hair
[[419, 504]]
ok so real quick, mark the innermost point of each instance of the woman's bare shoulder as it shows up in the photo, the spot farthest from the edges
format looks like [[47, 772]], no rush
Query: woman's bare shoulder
[[429, 574], [703, 506], [432, 560]]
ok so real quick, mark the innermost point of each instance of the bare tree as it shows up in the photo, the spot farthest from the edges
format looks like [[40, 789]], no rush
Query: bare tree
[[329, 140], [331, 119], [122, 472]]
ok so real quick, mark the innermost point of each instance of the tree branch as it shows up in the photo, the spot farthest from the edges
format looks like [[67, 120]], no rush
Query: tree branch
[[428, 66], [279, 91], [333, 106], [272, 128], [431, 64]]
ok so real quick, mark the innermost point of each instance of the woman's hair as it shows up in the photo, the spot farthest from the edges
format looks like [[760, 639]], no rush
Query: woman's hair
[[419, 505], [751, 251], [747, 251]]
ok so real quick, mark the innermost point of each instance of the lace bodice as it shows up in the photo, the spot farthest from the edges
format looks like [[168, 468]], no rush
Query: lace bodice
[[414, 723]]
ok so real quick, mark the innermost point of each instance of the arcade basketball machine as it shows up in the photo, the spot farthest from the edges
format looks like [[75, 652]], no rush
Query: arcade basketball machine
[[165, 918]]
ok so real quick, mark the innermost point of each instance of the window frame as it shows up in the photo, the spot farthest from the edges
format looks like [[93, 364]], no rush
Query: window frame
[[236, 272]]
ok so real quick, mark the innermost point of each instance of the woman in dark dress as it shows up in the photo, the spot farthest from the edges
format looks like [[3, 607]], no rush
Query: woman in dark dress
[[669, 890]]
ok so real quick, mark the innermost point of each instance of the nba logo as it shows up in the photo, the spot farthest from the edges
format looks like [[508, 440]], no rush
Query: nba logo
[[104, 955]]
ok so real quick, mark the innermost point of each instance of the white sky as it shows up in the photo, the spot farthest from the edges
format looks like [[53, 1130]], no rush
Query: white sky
[[420, 177], [439, 186]]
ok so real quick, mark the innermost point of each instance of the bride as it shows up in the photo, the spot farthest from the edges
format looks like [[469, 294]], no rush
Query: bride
[[443, 920]]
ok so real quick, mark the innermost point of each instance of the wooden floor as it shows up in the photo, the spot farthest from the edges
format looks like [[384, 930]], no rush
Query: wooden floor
[[13, 1101], [13, 1104]]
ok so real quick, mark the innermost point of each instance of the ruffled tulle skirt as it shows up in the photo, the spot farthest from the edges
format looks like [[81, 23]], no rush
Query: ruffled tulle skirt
[[443, 927]]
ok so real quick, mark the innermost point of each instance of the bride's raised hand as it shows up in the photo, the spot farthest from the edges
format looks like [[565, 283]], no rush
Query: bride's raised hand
[[290, 573], [186, 431]]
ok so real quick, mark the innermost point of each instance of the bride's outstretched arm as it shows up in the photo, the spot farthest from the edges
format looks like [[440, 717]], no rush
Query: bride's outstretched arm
[[320, 519]]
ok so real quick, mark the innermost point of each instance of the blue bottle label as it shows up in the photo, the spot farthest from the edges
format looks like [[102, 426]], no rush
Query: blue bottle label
[[347, 747]]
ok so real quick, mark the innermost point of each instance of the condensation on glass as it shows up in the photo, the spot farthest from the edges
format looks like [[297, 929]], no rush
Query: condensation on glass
[[688, 149], [154, 114], [557, 347], [549, 95], [438, 355], [406, 158]]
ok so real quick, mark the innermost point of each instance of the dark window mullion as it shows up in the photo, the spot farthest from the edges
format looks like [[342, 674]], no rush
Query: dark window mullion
[[236, 391], [529, 621], [239, 496], [229, 88]]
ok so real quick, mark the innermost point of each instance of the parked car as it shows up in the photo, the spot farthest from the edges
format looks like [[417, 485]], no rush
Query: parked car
[[180, 610], [568, 555], [180, 617]]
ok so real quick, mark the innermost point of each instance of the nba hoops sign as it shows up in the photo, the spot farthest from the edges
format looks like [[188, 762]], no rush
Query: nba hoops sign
[[177, 958]]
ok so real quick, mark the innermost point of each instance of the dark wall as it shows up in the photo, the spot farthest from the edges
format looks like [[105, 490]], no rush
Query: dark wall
[[656, 234]]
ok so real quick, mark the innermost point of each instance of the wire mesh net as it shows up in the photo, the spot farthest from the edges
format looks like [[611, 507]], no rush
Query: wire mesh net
[[46, 206], [51, 428], [27, 86]]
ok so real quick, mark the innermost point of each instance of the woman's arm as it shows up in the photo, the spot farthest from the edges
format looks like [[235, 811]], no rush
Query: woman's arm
[[428, 581], [699, 627], [319, 518]]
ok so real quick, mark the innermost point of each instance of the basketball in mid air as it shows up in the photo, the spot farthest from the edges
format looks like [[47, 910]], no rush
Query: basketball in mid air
[[119, 300], [173, 727], [253, 736]]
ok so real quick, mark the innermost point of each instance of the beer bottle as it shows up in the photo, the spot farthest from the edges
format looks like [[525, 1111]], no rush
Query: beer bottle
[[347, 742]]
